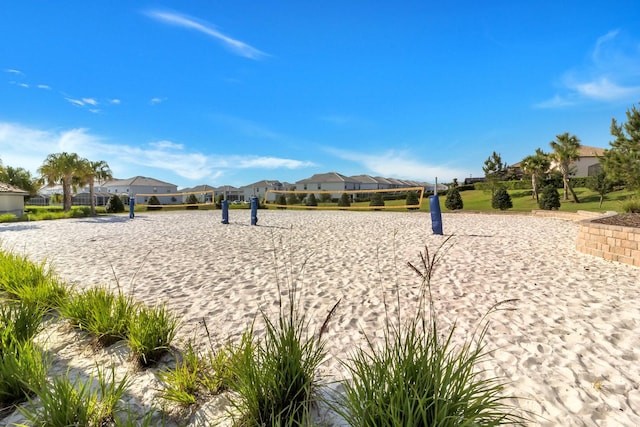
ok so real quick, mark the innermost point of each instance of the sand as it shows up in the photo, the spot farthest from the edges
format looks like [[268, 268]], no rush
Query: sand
[[568, 346]]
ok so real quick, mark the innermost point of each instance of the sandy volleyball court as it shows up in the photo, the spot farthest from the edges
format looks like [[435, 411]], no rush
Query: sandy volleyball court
[[570, 346]]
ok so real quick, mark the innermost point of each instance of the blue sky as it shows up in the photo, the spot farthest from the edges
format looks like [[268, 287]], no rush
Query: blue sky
[[232, 92]]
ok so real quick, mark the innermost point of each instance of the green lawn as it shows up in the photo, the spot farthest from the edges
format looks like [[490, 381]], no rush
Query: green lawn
[[478, 200]]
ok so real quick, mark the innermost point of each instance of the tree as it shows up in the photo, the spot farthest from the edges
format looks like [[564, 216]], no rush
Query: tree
[[412, 199], [601, 184], [454, 200], [325, 197], [622, 160], [344, 201], [566, 151], [536, 165], [61, 168], [192, 201], [18, 177], [292, 199], [494, 171], [114, 205], [311, 200], [88, 173], [549, 199], [376, 200], [501, 200], [281, 200]]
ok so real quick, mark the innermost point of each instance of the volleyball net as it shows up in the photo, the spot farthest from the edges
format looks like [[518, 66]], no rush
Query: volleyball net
[[388, 198], [180, 199]]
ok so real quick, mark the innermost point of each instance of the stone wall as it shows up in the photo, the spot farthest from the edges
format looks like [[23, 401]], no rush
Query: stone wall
[[611, 242]]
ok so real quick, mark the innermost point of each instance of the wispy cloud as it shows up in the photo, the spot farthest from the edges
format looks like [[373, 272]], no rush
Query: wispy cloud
[[399, 164], [14, 71], [236, 46], [27, 147], [611, 75], [115, 101], [156, 101], [90, 101], [44, 87], [76, 102]]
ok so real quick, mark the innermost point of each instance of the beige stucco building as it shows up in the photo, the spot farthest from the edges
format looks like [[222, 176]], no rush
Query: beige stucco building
[[12, 200]]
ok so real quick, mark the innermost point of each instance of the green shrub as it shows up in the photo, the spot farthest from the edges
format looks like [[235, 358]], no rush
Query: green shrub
[[311, 200], [454, 200], [153, 204], [549, 199], [9, 217], [501, 200], [376, 200], [344, 201], [281, 200], [114, 204], [631, 205], [292, 199], [219, 199], [151, 332], [80, 212], [325, 197], [412, 199], [192, 200]]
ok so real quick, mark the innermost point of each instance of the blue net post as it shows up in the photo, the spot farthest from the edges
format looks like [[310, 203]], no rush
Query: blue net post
[[254, 211], [132, 205], [436, 214], [225, 212]]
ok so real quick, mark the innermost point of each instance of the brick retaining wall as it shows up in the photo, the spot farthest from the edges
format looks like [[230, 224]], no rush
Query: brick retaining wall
[[611, 242]]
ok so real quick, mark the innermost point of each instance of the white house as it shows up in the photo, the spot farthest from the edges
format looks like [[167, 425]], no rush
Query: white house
[[259, 189], [143, 188], [328, 182], [12, 199]]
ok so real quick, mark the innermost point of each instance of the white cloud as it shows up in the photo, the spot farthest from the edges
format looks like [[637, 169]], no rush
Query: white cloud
[[77, 102], [115, 101], [400, 164], [45, 87], [155, 101], [90, 101], [236, 46], [14, 71], [612, 75], [26, 147]]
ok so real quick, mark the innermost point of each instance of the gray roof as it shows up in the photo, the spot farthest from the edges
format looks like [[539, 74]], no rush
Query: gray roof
[[201, 187], [10, 189], [326, 177], [137, 180], [364, 179]]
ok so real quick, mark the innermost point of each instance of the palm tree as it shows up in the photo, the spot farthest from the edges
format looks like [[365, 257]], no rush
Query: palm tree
[[61, 167], [537, 165], [90, 172], [566, 151]]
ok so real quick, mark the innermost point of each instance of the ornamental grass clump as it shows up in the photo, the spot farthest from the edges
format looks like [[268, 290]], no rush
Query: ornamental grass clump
[[151, 331], [64, 402], [30, 282], [275, 376], [419, 377], [104, 314]]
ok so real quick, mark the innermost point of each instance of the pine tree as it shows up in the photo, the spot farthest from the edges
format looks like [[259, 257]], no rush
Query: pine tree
[[501, 200], [376, 200], [549, 199], [454, 200], [344, 202], [311, 200], [622, 160], [412, 199]]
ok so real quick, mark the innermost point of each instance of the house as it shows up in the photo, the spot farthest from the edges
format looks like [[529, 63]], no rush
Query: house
[[12, 200], [367, 182], [328, 182], [84, 198], [259, 189], [587, 164], [143, 188]]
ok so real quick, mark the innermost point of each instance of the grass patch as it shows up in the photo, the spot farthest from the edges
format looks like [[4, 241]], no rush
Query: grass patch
[[419, 378], [104, 314], [23, 370], [64, 402], [151, 332], [30, 282], [275, 377]]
